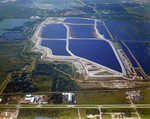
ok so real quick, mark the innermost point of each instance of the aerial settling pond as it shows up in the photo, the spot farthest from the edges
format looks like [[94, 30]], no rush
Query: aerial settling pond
[[54, 31], [82, 31], [58, 47], [98, 51], [103, 30]]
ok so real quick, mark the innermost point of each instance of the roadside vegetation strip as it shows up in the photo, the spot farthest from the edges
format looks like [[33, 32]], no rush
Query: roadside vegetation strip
[[5, 83]]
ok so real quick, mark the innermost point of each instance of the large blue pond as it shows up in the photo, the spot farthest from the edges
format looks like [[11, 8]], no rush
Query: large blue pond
[[124, 30], [54, 31], [103, 30], [141, 53], [82, 31], [7, 25], [79, 21], [58, 47], [11, 23], [95, 50]]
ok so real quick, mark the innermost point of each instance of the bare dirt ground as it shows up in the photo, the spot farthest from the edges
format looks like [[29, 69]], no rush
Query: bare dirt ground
[[111, 84]]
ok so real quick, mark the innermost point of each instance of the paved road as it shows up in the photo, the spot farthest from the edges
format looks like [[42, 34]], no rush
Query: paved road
[[77, 106]]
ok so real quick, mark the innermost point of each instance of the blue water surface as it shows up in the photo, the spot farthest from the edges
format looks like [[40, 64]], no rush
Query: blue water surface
[[141, 53], [54, 31], [124, 30], [103, 30], [79, 21], [11, 23], [95, 50], [58, 47], [82, 31]]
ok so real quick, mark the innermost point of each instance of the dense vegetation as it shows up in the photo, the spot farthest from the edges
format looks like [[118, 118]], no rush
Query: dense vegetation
[[51, 79], [48, 113]]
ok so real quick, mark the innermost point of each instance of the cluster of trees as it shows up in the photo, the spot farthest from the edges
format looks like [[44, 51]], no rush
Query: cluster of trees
[[43, 69], [117, 8], [63, 84], [55, 98], [23, 87]]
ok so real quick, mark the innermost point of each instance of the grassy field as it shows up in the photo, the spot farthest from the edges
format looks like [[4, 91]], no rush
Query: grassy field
[[118, 110], [67, 68], [128, 112], [111, 97], [10, 59], [85, 112], [144, 113], [12, 99], [48, 113], [106, 116]]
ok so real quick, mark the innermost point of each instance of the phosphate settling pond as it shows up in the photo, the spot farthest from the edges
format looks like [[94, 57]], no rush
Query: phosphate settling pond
[[78, 38]]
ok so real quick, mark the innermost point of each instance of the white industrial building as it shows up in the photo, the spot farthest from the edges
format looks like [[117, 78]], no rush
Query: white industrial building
[[30, 98], [70, 96]]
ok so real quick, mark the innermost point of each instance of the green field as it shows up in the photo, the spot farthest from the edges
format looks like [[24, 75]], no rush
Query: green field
[[106, 116], [85, 112], [127, 110], [48, 113], [144, 113], [112, 97]]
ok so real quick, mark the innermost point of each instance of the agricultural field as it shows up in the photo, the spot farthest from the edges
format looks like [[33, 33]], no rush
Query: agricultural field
[[48, 113], [106, 116], [102, 98]]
